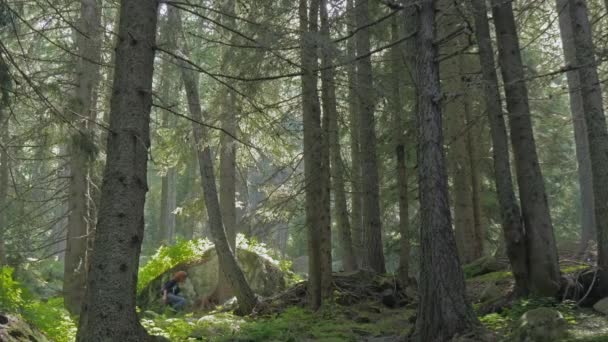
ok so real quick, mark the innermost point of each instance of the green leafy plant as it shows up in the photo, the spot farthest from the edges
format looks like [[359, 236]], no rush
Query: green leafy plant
[[49, 316], [186, 251], [10, 290]]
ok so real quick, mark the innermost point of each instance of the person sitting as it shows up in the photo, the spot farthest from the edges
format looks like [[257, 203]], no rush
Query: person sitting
[[171, 291]]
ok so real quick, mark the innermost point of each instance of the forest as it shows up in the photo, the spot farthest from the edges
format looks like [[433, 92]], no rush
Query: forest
[[310, 170]]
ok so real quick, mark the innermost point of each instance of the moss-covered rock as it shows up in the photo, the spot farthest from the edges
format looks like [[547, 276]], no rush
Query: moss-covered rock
[[601, 306], [540, 325], [15, 329], [487, 264], [263, 274]]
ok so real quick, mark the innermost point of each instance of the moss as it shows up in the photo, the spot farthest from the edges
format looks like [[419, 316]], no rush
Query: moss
[[494, 276]]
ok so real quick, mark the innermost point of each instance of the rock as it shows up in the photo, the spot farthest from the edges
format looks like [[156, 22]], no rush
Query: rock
[[490, 293], [601, 306], [540, 325], [15, 329], [389, 299], [262, 274], [483, 265]]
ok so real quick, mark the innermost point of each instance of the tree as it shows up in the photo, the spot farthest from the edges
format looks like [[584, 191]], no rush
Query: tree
[[108, 311], [585, 175], [356, 200], [317, 211], [5, 83], [597, 132], [540, 242], [330, 111], [226, 257], [396, 68], [462, 154], [372, 225], [82, 151], [443, 310], [513, 229]]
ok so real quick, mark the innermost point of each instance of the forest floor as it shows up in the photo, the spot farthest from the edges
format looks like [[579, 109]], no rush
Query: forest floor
[[367, 311]]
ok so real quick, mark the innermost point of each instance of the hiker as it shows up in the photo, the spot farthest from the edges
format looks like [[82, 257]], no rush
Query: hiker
[[171, 290]]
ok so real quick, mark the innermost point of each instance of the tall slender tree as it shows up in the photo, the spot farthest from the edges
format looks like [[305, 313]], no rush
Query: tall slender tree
[[597, 132], [542, 261], [330, 111], [512, 224], [372, 224], [82, 151], [398, 135], [356, 202], [444, 310], [108, 311], [585, 175], [317, 213], [167, 84], [226, 257]]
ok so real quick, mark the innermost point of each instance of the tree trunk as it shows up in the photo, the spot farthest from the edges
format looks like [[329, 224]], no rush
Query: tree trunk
[[459, 130], [168, 196], [227, 175], [328, 93], [317, 214], [372, 225], [443, 310], [226, 258], [585, 176], [396, 67], [512, 226], [82, 145], [597, 132], [355, 146], [540, 242], [4, 171], [108, 312]]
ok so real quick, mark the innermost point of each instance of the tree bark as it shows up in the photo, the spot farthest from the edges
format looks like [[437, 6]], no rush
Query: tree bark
[[355, 146], [317, 213], [82, 146], [396, 67], [228, 153], [459, 130], [108, 312], [585, 176], [168, 196], [328, 93], [513, 230], [597, 132], [372, 224], [443, 310], [226, 257], [543, 265], [4, 171]]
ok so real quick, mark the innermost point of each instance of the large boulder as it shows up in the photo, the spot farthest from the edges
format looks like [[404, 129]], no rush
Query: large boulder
[[263, 274], [15, 329], [540, 325], [601, 306]]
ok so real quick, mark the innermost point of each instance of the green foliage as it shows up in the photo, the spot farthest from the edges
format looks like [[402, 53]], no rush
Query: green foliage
[[185, 251], [504, 321], [167, 257], [50, 316], [10, 291]]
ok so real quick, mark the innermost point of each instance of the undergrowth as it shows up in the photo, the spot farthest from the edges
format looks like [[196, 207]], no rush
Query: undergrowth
[[48, 316], [185, 251]]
